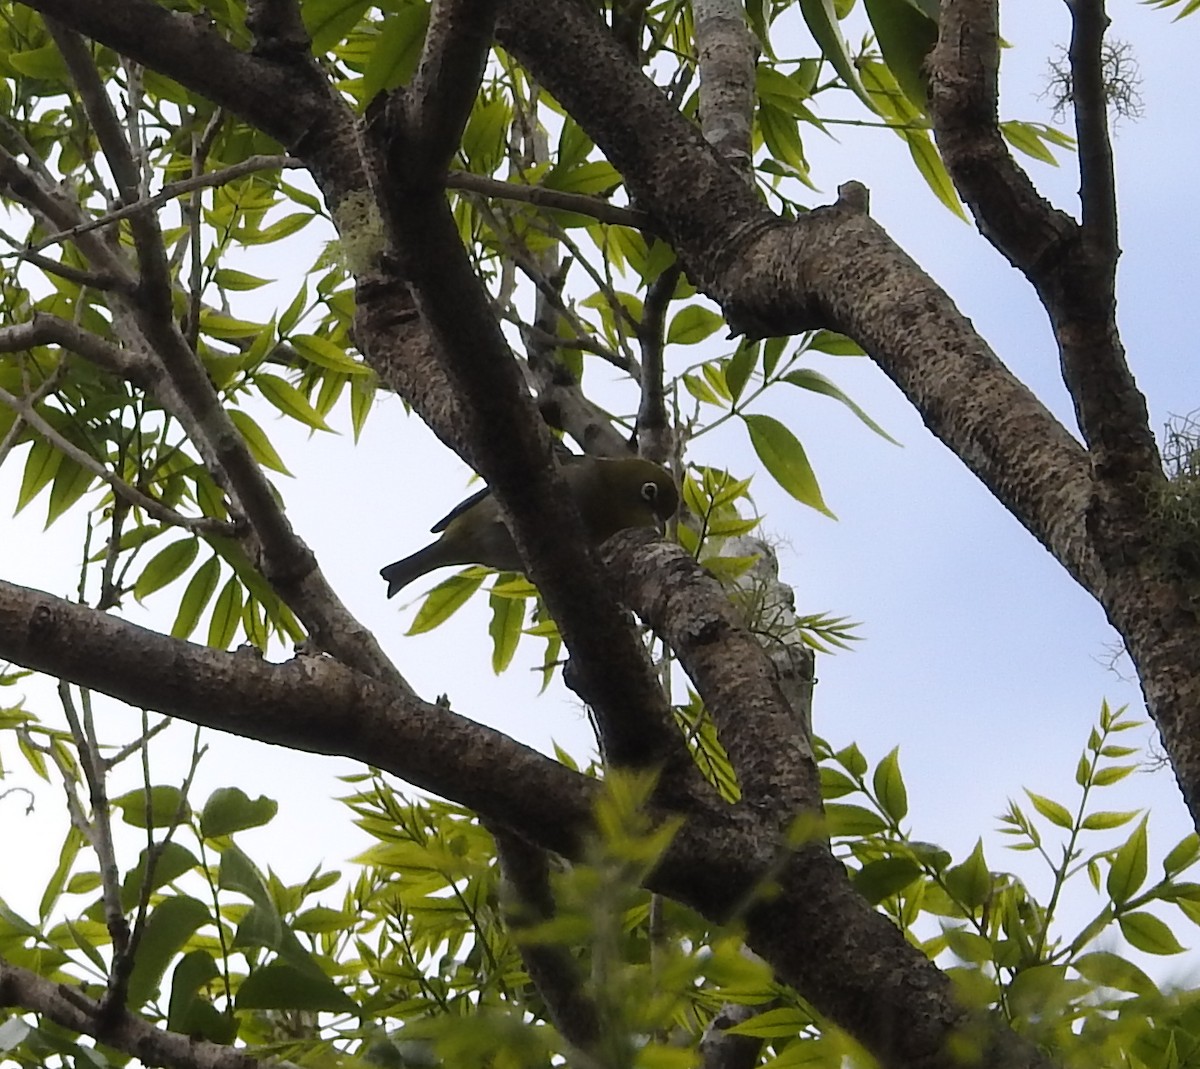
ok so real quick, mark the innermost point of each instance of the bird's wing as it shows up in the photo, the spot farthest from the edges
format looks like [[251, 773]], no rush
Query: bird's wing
[[459, 509]]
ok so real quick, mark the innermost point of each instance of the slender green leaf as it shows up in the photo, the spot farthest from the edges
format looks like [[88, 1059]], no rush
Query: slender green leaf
[[165, 567], [445, 599], [508, 618], [785, 459], [905, 35], [227, 614], [196, 597], [290, 401], [40, 467], [1128, 871], [822, 24], [169, 926], [257, 441], [1051, 810], [807, 379], [889, 786]]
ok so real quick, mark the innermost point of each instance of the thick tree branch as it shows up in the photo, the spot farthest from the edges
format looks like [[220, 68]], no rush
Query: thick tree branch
[[834, 267], [314, 704], [765, 740], [76, 1012], [725, 58], [446, 83]]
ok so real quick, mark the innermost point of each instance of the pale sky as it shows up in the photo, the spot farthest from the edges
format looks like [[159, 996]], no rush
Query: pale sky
[[981, 658]]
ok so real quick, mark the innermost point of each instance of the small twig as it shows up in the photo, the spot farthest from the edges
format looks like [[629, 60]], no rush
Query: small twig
[[169, 192], [579, 203], [83, 731], [137, 744]]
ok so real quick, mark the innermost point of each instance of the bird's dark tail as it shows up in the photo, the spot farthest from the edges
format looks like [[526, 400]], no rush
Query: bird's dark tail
[[411, 568]]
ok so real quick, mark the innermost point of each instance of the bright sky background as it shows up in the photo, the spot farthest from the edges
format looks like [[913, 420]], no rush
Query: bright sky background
[[981, 658]]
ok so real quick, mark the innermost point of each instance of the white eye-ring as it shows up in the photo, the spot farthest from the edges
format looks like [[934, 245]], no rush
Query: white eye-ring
[[650, 491]]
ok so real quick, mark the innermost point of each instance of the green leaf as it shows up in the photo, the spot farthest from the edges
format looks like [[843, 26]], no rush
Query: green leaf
[[170, 862], [1111, 970], [165, 567], [1051, 810], [290, 401], [196, 597], [739, 367], [822, 24], [230, 809], [231, 279], [906, 36], [889, 786], [852, 760], [852, 820], [445, 599], [40, 467], [1128, 871], [168, 928], [166, 805], [508, 618], [227, 614], [1146, 932], [1183, 854], [784, 457], [283, 986], [323, 353], [66, 859], [807, 379], [71, 482], [1106, 819], [931, 168], [258, 443], [189, 1012], [1024, 137], [971, 882], [771, 1024], [881, 879], [394, 56], [693, 324], [1106, 777], [781, 134], [362, 397]]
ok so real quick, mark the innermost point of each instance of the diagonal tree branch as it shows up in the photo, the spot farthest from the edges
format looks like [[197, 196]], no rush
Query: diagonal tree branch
[[309, 703], [446, 83]]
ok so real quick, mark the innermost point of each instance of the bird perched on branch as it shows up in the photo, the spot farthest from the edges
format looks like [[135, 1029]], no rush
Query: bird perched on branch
[[611, 495]]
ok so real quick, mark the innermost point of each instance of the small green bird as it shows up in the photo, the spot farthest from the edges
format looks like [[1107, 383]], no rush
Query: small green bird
[[611, 495]]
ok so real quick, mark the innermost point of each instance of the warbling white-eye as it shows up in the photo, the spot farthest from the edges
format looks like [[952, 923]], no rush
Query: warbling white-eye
[[611, 495]]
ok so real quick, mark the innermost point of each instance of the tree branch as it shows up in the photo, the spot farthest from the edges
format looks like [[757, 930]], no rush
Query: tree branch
[[1097, 184], [308, 703], [444, 88], [528, 901], [1072, 269], [75, 1012]]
